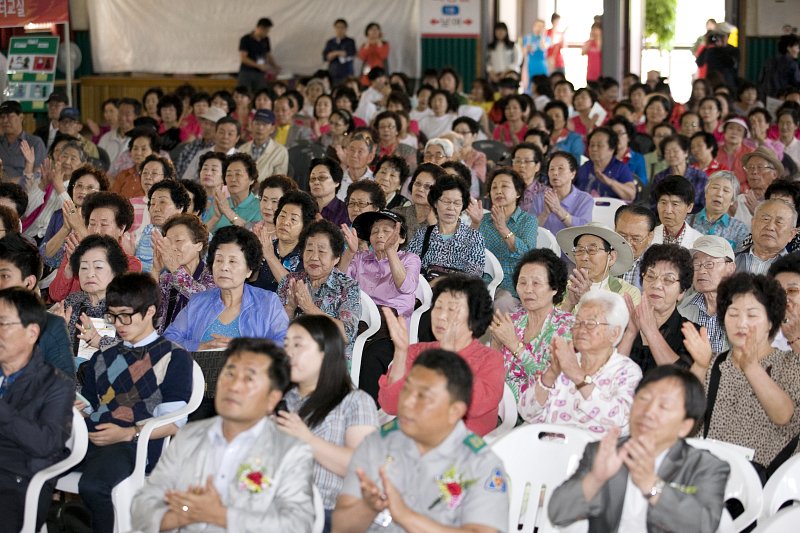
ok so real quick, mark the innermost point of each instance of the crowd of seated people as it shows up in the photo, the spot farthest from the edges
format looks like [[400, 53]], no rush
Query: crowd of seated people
[[222, 252]]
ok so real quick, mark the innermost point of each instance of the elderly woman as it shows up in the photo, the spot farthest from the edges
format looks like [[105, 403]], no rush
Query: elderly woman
[[443, 106], [461, 312], [165, 199], [676, 152], [599, 255], [524, 337], [323, 109], [721, 191], [512, 130], [592, 389], [242, 207], [143, 143], [508, 231], [363, 196], [389, 126], [733, 149], [449, 245], [634, 160], [179, 266], [322, 407], [321, 289], [341, 127], [210, 176], [562, 138], [420, 214], [98, 259], [83, 182], [390, 173], [653, 336], [582, 123], [562, 205], [324, 181], [526, 160], [753, 390], [605, 175], [656, 111], [233, 308], [152, 170], [270, 192], [438, 150], [282, 251]]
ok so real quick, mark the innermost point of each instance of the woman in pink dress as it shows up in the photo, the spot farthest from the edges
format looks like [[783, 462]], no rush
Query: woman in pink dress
[[592, 48]]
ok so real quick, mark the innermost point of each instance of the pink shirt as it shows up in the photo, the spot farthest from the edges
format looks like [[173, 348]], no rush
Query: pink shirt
[[375, 278], [488, 376]]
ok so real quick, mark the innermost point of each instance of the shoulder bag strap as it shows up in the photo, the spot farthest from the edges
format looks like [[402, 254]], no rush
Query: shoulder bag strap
[[713, 386], [426, 242]]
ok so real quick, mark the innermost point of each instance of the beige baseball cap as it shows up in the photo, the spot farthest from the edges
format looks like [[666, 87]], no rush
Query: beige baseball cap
[[713, 245]]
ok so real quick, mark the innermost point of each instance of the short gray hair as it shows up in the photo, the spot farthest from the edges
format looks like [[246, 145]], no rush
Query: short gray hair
[[616, 309], [725, 175], [445, 144], [778, 201]]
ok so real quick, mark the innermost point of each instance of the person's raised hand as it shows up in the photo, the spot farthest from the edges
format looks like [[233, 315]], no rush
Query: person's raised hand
[[350, 237], [608, 459], [398, 331], [697, 344], [474, 212]]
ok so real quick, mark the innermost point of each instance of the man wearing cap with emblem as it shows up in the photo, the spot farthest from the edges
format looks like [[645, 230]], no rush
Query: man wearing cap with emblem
[[712, 261], [761, 167], [11, 141], [270, 157], [599, 255], [424, 471], [69, 123]]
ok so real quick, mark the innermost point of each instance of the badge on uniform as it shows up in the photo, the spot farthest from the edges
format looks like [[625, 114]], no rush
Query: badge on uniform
[[496, 481]]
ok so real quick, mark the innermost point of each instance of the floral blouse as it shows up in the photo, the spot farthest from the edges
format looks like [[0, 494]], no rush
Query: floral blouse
[[522, 371], [609, 404], [176, 289]]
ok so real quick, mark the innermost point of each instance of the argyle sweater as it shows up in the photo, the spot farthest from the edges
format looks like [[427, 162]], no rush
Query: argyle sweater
[[124, 384]]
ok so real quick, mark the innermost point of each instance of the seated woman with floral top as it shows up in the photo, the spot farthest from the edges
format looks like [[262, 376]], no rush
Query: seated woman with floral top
[[592, 388], [524, 337]]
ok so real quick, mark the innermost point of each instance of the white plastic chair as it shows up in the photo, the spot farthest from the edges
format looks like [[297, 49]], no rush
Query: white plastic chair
[[507, 412], [372, 317], [77, 443], [493, 268], [425, 295], [122, 494], [546, 239], [783, 486], [319, 511], [785, 521], [604, 210], [743, 483], [528, 478]]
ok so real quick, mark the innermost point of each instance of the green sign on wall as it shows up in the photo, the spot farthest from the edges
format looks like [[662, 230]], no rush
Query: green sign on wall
[[31, 70]]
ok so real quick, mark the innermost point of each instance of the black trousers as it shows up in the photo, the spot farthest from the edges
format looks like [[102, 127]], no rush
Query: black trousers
[[12, 502], [101, 470]]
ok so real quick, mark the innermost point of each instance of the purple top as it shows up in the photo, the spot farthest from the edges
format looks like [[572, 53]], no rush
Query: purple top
[[375, 278], [526, 204], [336, 212], [587, 181], [577, 203]]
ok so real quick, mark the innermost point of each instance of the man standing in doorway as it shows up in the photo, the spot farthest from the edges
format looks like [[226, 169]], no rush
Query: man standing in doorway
[[255, 53]]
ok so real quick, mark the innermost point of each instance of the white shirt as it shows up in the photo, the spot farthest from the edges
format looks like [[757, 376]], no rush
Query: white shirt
[[687, 239], [635, 505], [793, 151], [224, 458], [742, 213], [113, 143], [347, 180]]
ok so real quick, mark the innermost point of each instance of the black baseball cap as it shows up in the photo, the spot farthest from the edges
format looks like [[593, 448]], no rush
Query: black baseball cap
[[57, 97], [10, 106], [363, 222]]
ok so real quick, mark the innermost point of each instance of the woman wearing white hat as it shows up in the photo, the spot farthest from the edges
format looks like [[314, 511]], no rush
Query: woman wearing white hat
[[600, 255]]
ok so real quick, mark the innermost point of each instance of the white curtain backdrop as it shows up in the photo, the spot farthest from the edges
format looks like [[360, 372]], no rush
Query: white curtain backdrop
[[202, 36]]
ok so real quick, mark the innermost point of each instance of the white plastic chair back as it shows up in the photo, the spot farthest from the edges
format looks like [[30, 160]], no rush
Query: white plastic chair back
[[786, 521], [782, 487], [604, 210], [372, 317], [122, 494], [319, 511], [425, 295], [493, 268], [743, 483], [507, 412], [77, 443], [527, 478], [546, 239]]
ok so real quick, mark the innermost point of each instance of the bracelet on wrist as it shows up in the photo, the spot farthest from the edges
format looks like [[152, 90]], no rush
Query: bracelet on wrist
[[540, 382], [508, 236], [518, 350]]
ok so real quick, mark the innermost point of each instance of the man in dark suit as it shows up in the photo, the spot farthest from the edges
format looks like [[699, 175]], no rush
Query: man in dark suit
[[653, 480]]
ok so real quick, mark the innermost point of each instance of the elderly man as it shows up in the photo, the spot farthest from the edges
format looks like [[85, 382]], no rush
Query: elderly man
[[786, 271], [654, 480], [712, 261], [236, 471], [289, 132], [11, 141], [761, 168], [226, 135], [69, 123], [425, 471], [358, 155], [35, 406], [205, 129], [774, 226], [270, 157], [55, 103], [635, 223]]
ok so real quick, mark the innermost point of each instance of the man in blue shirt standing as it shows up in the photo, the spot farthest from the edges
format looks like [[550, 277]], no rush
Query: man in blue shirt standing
[[339, 52]]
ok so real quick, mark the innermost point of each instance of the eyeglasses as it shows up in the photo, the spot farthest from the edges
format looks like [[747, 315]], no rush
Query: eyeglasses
[[707, 265], [87, 188], [588, 324], [359, 205], [667, 279], [791, 292], [124, 318], [423, 186], [590, 250], [758, 168], [447, 204], [518, 161], [632, 239], [435, 157]]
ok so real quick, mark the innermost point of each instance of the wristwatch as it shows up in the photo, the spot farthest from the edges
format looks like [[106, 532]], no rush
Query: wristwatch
[[587, 380], [656, 489]]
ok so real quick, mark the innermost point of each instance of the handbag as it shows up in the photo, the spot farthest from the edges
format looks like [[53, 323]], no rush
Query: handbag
[[433, 271]]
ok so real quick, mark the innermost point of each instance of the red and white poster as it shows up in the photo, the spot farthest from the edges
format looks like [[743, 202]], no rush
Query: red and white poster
[[15, 13], [450, 18]]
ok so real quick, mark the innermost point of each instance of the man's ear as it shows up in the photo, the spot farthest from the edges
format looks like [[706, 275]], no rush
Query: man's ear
[[457, 411], [29, 282], [273, 399], [686, 427]]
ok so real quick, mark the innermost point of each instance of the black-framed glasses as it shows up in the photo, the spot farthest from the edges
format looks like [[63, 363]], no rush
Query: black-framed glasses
[[124, 318]]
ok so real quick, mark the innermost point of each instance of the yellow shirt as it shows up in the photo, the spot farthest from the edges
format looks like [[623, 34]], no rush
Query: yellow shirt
[[282, 134]]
